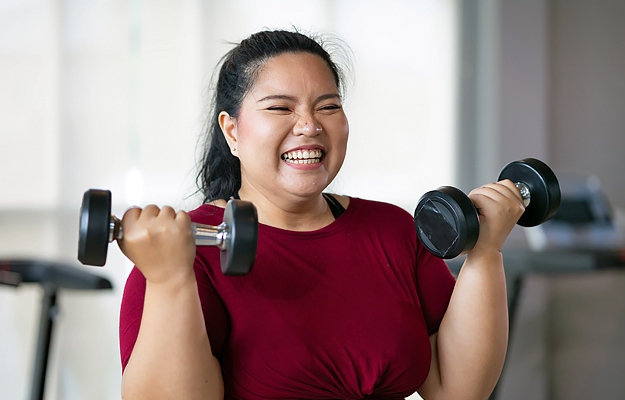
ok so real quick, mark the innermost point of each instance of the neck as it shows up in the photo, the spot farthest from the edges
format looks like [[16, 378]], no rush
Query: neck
[[290, 212]]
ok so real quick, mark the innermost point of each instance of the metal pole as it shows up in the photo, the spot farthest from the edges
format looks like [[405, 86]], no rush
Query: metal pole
[[48, 314]]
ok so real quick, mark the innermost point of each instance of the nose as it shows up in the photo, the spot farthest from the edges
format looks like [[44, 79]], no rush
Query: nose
[[307, 125]]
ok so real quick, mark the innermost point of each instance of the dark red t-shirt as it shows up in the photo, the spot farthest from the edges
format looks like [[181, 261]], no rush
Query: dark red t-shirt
[[343, 312]]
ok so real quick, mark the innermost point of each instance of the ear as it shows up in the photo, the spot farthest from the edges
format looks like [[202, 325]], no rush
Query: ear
[[228, 127]]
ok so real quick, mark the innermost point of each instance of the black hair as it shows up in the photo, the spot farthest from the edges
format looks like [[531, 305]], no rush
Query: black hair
[[219, 175]]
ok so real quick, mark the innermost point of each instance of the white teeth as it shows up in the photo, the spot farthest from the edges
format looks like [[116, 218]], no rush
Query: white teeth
[[303, 157], [306, 161]]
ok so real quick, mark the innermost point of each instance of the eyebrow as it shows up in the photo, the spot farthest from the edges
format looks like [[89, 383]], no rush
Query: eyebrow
[[293, 99]]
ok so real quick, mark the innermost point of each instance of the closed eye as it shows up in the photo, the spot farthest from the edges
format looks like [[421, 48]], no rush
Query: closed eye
[[330, 108], [278, 108]]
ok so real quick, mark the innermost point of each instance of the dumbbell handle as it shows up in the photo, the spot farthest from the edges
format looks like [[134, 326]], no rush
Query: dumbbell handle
[[205, 235], [525, 192]]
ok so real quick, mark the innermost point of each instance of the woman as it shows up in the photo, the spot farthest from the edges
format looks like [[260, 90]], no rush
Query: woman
[[343, 302]]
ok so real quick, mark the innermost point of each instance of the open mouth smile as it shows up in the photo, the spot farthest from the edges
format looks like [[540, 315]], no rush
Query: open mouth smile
[[303, 156]]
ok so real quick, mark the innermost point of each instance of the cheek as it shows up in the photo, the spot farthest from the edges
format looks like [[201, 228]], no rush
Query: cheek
[[346, 130], [259, 129], [339, 137], [252, 134], [342, 134], [258, 141]]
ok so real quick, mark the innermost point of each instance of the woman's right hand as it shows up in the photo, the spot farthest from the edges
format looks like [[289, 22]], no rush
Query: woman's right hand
[[159, 242]]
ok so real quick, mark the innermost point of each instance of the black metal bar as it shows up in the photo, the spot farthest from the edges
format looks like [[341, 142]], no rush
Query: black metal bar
[[46, 320]]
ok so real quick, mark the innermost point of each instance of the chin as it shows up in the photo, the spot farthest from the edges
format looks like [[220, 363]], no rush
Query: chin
[[309, 191]]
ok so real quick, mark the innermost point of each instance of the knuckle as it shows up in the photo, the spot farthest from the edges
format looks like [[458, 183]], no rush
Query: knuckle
[[131, 214], [168, 209]]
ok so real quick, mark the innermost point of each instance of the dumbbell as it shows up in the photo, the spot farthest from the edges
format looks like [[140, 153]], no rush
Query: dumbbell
[[447, 222], [236, 236]]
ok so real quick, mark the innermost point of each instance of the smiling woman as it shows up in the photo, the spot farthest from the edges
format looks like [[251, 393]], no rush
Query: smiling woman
[[343, 301], [293, 110], [111, 94], [280, 90]]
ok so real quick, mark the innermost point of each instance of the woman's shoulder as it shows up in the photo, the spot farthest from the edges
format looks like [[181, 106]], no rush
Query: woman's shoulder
[[342, 199], [388, 221], [378, 206], [375, 211], [208, 214]]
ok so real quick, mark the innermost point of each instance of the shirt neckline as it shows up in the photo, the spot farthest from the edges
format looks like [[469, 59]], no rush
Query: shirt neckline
[[336, 225]]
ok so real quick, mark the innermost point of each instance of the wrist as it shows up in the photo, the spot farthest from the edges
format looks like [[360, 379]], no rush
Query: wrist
[[485, 254], [172, 281]]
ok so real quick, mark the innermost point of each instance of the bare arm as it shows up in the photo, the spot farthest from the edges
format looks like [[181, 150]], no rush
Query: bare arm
[[172, 357], [470, 347]]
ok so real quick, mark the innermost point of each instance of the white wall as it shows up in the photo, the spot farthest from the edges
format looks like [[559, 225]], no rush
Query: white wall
[[112, 94]]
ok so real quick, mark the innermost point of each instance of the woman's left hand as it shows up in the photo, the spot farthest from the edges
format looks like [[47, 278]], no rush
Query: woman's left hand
[[500, 206]]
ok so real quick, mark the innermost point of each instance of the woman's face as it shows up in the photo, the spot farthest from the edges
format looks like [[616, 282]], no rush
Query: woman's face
[[291, 132]]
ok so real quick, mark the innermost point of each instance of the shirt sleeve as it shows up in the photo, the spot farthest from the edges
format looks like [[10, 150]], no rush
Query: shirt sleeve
[[435, 283], [132, 310], [130, 314]]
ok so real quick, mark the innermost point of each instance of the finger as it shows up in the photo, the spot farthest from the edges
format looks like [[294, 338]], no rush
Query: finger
[[167, 212], [501, 191], [503, 194], [183, 217], [494, 195], [132, 214], [500, 187], [150, 211], [512, 186], [490, 191], [130, 218], [183, 221], [484, 199], [490, 196]]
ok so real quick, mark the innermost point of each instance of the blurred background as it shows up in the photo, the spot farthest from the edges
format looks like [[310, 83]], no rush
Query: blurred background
[[114, 94]]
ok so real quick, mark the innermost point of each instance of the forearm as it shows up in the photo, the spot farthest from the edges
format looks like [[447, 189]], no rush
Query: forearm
[[172, 357], [472, 339]]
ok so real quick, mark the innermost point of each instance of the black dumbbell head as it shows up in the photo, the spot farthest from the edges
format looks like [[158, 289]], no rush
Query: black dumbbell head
[[447, 222], [93, 235], [543, 186], [237, 256]]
